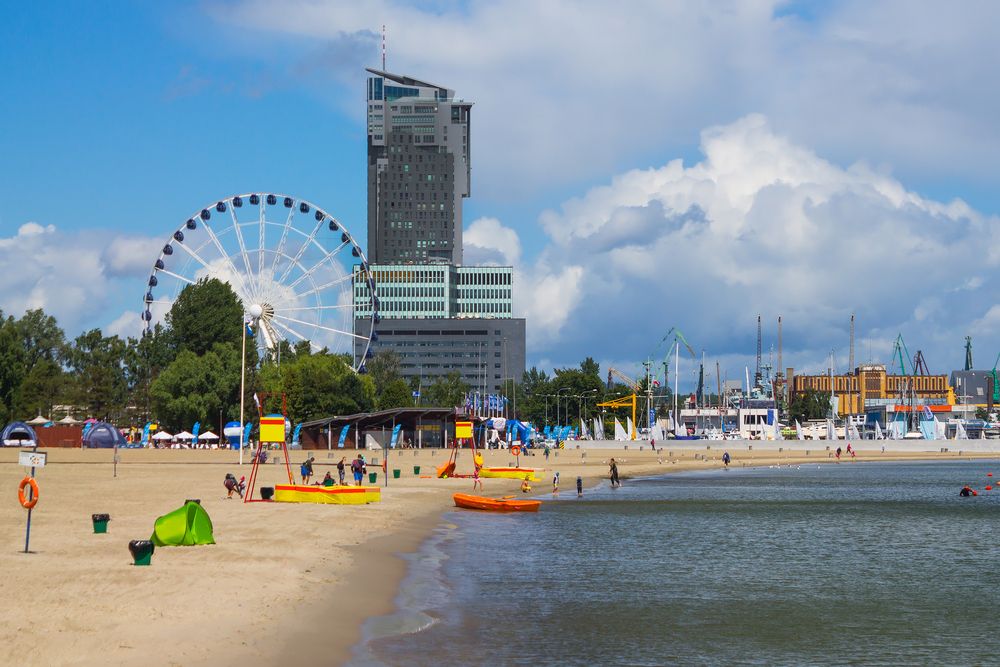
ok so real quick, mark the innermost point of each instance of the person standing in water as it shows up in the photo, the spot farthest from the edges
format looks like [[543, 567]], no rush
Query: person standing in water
[[579, 486], [555, 483], [615, 481]]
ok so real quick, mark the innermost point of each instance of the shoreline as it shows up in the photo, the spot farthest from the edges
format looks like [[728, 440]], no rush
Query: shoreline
[[283, 580]]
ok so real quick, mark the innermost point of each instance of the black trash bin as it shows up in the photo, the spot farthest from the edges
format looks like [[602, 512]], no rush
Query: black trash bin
[[266, 492], [142, 551], [193, 500]]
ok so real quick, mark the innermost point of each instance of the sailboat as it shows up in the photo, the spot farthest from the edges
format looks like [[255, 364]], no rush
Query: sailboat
[[799, 435], [631, 428], [831, 434], [619, 431], [960, 433], [878, 432]]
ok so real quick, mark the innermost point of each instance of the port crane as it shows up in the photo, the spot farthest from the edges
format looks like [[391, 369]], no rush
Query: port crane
[[628, 400]]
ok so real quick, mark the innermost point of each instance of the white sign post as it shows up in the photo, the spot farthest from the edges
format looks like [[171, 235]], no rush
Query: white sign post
[[30, 459]]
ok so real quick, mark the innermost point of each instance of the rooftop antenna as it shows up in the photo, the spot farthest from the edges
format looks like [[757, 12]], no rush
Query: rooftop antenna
[[781, 369], [850, 365], [383, 47], [757, 376]]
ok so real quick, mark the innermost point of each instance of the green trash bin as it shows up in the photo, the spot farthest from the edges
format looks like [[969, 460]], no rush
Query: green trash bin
[[416, 470], [142, 551], [395, 473], [372, 476], [100, 522]]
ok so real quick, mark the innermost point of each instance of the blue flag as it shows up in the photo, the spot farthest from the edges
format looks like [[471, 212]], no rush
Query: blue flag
[[343, 436], [395, 436]]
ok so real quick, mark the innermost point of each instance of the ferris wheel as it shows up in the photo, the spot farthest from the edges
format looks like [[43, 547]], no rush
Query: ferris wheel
[[292, 265]]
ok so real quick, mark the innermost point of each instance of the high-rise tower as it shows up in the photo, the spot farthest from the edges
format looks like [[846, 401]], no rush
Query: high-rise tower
[[418, 170]]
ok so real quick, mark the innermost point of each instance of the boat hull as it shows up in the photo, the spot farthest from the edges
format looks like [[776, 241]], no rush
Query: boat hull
[[469, 502]]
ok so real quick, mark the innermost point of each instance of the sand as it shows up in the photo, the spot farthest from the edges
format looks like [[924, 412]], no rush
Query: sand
[[284, 583]]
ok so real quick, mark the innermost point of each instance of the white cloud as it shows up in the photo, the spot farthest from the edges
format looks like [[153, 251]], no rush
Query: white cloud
[[569, 90], [131, 256], [487, 241], [760, 225], [64, 274]]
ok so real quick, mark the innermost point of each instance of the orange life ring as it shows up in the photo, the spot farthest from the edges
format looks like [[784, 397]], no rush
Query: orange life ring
[[515, 450], [25, 503]]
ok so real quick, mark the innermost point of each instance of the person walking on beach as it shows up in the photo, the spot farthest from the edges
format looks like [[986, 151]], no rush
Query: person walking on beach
[[356, 470], [838, 454], [615, 481], [726, 459], [340, 469], [546, 452], [850, 450], [555, 483], [579, 486], [307, 470], [476, 481]]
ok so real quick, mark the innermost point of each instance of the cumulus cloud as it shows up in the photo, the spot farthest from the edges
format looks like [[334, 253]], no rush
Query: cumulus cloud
[[760, 225], [487, 241], [578, 89], [130, 256], [67, 275]]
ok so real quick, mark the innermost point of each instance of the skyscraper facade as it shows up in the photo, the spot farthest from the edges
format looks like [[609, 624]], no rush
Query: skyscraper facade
[[418, 170], [438, 316]]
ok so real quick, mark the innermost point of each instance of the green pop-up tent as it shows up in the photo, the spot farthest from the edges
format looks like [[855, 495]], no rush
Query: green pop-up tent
[[184, 526]]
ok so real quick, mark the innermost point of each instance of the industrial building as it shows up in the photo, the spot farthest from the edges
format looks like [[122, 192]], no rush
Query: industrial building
[[870, 388]]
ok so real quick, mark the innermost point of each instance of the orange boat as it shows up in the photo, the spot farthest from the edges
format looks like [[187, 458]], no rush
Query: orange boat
[[468, 502]]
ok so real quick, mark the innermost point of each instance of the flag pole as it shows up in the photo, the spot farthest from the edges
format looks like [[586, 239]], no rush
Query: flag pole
[[243, 375]]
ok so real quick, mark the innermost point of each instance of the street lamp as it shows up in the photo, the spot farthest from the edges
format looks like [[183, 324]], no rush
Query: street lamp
[[558, 423], [255, 311], [581, 397]]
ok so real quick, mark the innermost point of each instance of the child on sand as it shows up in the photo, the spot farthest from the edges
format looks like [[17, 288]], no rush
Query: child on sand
[[475, 478], [525, 486], [340, 469], [555, 483]]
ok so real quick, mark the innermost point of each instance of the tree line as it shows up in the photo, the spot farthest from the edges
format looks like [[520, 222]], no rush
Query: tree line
[[187, 370]]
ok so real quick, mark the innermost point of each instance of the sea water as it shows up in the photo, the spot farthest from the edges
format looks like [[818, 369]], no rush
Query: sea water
[[857, 563]]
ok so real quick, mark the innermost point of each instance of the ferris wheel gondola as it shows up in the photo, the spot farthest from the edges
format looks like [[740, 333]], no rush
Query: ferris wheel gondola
[[291, 264]]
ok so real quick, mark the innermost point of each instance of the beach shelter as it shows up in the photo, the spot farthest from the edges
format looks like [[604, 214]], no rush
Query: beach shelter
[[184, 435], [38, 421], [68, 419], [208, 435], [162, 435], [185, 526], [18, 434], [103, 435]]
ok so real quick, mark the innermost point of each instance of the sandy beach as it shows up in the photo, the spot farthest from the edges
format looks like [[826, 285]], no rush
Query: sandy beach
[[284, 581]]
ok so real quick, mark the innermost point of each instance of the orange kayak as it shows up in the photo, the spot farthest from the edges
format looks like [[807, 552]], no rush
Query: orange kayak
[[495, 504]]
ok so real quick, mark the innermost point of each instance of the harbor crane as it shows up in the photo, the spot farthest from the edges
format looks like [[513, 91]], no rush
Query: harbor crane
[[628, 400], [678, 338]]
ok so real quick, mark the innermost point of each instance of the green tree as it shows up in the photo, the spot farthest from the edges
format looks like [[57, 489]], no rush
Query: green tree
[[97, 362], [145, 359], [397, 394], [12, 366], [195, 388], [42, 338], [383, 369], [810, 404], [43, 387], [204, 314], [446, 391]]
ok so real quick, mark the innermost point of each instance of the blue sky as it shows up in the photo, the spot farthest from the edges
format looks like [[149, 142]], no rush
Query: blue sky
[[871, 119]]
